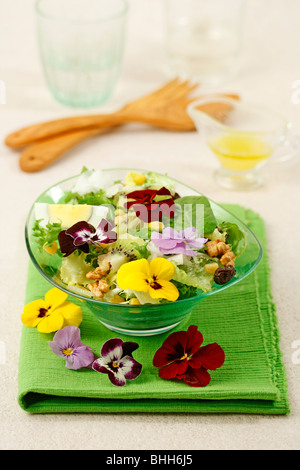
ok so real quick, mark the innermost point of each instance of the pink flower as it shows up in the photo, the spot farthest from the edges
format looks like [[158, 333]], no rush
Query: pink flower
[[170, 241], [67, 344]]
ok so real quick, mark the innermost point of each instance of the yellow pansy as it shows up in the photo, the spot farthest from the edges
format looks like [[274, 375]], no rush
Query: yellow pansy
[[52, 313], [153, 277]]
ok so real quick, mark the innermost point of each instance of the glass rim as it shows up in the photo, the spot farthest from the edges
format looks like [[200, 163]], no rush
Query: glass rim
[[111, 17], [197, 297], [192, 109]]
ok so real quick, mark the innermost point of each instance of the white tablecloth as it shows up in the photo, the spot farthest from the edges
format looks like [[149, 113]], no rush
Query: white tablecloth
[[270, 67]]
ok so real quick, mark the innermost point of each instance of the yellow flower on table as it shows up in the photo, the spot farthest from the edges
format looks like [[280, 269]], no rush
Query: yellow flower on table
[[153, 277], [52, 313]]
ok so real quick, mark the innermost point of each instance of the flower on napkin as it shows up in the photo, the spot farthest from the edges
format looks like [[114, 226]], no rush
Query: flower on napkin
[[67, 344], [182, 357], [81, 234], [153, 277], [145, 206], [116, 360], [52, 313], [170, 241]]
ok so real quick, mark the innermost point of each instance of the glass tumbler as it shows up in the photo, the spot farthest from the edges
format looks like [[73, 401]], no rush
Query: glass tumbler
[[81, 46], [203, 38]]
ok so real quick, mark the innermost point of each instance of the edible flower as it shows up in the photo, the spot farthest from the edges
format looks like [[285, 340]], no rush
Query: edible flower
[[67, 344], [81, 234], [153, 277], [145, 206], [52, 313], [116, 360], [170, 241], [182, 357]]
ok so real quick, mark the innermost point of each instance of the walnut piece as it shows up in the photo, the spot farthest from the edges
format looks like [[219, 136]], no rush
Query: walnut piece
[[104, 262], [99, 288], [218, 248], [102, 270], [222, 247], [212, 249], [227, 258]]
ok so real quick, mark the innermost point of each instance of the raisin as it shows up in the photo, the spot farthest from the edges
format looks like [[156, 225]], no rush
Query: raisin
[[223, 275]]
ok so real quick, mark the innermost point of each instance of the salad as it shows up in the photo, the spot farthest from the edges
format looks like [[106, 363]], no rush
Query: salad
[[136, 241]]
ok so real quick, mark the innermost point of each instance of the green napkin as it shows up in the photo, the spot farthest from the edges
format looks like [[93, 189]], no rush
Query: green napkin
[[242, 320]]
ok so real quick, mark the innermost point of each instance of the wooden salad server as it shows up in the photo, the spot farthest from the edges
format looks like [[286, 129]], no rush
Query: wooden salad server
[[165, 108]]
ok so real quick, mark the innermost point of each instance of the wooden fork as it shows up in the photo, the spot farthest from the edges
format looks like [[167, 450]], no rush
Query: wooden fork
[[164, 108], [161, 108]]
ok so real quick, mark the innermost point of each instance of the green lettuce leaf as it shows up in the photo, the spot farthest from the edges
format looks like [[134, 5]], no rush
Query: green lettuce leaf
[[185, 291], [74, 269], [235, 237], [187, 214], [46, 236], [157, 181], [98, 198], [193, 274]]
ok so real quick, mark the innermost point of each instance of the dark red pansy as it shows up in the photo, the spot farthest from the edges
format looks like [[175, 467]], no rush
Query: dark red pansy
[[195, 377], [172, 356], [66, 244], [182, 357], [81, 234], [210, 357], [145, 206]]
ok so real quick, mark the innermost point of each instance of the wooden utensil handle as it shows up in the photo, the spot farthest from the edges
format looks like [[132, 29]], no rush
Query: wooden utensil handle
[[45, 130], [44, 152], [38, 156]]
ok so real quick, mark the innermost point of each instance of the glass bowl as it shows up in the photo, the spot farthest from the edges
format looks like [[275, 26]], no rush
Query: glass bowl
[[148, 319]]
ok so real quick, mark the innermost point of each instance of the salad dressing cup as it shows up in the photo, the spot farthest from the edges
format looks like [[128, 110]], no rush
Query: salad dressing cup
[[247, 139], [145, 319]]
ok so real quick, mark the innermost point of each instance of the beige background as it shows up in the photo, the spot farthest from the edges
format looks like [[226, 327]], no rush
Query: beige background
[[269, 68]]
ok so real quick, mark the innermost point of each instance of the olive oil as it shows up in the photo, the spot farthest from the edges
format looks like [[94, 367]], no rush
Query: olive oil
[[240, 152]]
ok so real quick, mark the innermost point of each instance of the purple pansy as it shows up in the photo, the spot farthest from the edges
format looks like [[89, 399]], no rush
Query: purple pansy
[[67, 344], [170, 241], [81, 234], [116, 360]]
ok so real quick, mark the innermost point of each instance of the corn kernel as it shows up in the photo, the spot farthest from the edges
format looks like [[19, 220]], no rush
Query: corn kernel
[[51, 249], [157, 226], [211, 268], [134, 302], [117, 299], [139, 179]]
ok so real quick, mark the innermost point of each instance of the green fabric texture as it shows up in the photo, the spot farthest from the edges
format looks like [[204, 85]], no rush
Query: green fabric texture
[[241, 319]]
